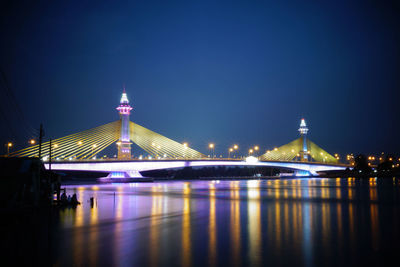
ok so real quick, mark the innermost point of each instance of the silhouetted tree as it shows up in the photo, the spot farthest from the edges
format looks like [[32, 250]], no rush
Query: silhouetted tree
[[386, 165], [361, 164]]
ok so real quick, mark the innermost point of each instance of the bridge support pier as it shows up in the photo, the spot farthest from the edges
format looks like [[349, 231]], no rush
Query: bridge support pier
[[305, 173], [124, 174]]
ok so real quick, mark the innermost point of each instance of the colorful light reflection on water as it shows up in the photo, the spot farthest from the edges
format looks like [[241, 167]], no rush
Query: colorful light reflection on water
[[307, 222]]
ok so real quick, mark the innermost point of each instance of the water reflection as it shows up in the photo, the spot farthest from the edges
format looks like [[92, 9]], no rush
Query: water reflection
[[212, 229], [94, 233], [235, 223], [186, 241], [156, 209], [255, 222]]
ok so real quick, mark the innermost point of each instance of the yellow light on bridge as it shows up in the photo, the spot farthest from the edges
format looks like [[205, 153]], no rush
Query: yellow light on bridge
[[256, 148], [32, 141], [211, 145], [230, 149], [55, 146], [276, 149], [10, 144], [119, 143], [185, 145], [79, 143], [235, 147], [250, 151], [94, 146]]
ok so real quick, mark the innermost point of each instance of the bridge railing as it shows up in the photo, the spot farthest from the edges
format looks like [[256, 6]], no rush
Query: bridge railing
[[72, 160]]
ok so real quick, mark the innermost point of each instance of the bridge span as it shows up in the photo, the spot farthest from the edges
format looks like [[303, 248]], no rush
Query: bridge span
[[78, 151], [132, 168]]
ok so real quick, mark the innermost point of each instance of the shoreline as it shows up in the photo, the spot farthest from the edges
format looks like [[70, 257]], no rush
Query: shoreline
[[230, 178]]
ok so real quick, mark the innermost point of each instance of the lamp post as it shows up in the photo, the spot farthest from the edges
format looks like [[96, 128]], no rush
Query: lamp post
[[79, 143], [211, 146], [256, 148], [9, 145], [158, 151], [235, 147], [251, 151], [229, 152], [55, 146], [185, 146], [93, 148]]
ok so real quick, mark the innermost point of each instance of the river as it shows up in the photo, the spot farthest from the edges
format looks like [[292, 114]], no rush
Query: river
[[282, 222]]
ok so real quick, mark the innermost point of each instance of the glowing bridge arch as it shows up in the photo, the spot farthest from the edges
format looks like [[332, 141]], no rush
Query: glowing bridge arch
[[133, 168]]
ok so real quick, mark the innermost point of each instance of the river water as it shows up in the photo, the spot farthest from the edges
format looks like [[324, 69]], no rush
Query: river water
[[284, 222]]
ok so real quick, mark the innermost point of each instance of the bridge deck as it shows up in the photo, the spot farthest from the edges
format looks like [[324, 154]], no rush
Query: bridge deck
[[134, 167]]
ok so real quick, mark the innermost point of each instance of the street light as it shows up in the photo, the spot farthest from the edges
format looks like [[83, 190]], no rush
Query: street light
[[9, 145], [185, 146], [32, 141], [235, 147], [211, 146], [229, 152], [256, 149], [93, 147], [250, 151]]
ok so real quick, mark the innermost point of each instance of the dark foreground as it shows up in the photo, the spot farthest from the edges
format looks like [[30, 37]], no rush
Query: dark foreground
[[287, 222]]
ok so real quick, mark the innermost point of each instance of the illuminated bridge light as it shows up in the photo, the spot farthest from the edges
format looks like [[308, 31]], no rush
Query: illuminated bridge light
[[117, 175]]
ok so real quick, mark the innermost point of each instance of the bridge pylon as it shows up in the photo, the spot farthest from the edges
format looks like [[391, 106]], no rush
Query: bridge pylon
[[304, 153], [124, 143]]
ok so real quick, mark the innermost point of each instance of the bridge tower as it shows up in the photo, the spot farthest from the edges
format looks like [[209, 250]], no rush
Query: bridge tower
[[124, 144], [303, 132]]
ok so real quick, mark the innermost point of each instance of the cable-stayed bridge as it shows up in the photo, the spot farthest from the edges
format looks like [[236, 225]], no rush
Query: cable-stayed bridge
[[89, 143], [78, 151]]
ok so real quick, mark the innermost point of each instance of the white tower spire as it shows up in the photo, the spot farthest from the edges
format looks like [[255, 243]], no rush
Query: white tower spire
[[303, 132]]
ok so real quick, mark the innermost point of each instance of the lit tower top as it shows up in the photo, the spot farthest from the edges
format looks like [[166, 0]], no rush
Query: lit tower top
[[124, 144], [124, 108], [303, 132], [303, 127]]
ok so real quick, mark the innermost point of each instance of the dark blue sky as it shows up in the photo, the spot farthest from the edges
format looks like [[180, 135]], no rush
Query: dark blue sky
[[229, 72]]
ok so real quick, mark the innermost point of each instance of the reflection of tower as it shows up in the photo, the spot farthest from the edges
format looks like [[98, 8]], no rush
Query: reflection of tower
[[303, 132], [124, 147]]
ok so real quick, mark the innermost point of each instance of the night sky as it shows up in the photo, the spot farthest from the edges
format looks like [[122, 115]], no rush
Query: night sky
[[240, 72]]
